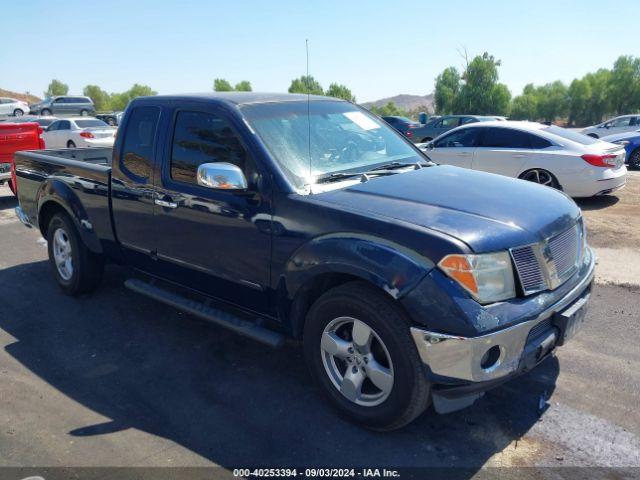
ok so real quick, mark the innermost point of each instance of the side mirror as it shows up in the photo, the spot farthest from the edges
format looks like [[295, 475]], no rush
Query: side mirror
[[221, 176]]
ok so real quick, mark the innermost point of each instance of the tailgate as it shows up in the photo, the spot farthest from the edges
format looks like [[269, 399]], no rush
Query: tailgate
[[15, 137]]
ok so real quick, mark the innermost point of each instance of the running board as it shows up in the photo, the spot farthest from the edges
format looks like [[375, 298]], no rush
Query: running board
[[214, 315]]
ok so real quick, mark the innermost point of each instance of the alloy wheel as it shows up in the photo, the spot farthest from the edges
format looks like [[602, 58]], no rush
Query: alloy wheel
[[357, 361], [62, 254], [540, 176]]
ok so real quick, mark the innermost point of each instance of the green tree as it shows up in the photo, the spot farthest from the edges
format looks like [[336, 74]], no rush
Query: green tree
[[624, 85], [600, 103], [390, 109], [222, 85], [338, 90], [56, 87], [552, 101], [524, 107], [579, 96], [480, 92], [244, 86], [119, 101], [101, 99], [446, 90], [306, 84]]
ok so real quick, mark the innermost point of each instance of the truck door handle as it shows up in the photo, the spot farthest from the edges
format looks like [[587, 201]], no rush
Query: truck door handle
[[165, 203]]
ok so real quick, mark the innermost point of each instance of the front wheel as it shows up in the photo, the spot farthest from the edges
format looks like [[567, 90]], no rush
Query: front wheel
[[634, 159], [76, 268], [360, 352], [70, 144], [84, 113], [45, 113], [18, 113]]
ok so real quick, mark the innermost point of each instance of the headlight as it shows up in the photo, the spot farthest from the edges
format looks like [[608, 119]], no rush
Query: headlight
[[487, 277]]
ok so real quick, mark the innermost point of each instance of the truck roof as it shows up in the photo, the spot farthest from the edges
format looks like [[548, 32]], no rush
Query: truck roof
[[238, 98]]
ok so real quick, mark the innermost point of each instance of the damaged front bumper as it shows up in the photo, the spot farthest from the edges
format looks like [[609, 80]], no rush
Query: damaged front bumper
[[468, 366]]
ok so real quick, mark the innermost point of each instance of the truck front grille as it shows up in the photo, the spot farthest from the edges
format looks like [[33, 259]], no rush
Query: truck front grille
[[565, 252], [528, 267]]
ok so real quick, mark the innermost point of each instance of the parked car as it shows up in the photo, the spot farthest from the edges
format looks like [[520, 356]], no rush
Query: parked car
[[44, 122], [624, 123], [113, 119], [13, 107], [631, 143], [443, 124], [64, 105], [579, 165], [404, 125], [79, 132], [15, 137], [406, 281]]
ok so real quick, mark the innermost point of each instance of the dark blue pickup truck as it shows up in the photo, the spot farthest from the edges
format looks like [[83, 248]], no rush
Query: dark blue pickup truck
[[306, 217]]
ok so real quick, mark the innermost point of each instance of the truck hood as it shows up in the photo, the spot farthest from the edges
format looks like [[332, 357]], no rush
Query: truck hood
[[488, 212]]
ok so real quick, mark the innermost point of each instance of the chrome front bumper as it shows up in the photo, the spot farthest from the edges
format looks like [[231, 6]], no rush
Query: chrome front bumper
[[460, 357]]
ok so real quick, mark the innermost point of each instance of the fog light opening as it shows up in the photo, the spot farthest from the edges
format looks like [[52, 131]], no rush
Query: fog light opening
[[491, 358]]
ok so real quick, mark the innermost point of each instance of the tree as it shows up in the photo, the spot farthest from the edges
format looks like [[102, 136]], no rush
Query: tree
[[624, 85], [446, 91], [388, 110], [480, 92], [525, 107], [56, 87], [119, 101], [221, 85], [579, 96], [100, 98], [338, 90], [552, 101], [244, 86], [306, 84]]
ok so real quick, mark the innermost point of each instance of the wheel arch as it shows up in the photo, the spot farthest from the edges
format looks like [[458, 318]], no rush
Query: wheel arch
[[55, 196], [335, 259]]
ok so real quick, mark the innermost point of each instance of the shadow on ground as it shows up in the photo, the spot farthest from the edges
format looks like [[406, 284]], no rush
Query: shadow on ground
[[226, 398], [597, 203]]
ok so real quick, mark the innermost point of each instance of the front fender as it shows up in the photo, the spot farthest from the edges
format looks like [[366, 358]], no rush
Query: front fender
[[58, 192], [391, 267]]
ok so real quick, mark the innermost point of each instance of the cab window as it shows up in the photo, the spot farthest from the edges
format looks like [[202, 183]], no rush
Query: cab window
[[467, 137]]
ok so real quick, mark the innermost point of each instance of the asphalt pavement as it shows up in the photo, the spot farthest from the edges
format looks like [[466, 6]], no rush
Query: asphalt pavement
[[115, 379]]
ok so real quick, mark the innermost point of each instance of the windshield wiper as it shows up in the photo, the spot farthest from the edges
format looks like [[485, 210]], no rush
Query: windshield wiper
[[394, 166], [333, 177]]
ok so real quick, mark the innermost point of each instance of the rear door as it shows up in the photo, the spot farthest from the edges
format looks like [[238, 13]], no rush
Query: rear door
[[503, 151], [215, 241], [63, 134], [456, 148], [444, 125]]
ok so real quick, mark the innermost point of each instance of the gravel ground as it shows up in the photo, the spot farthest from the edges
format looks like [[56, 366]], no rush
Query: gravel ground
[[115, 379]]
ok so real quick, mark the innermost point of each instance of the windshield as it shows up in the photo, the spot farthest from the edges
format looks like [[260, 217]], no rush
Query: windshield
[[90, 123], [571, 135], [312, 141]]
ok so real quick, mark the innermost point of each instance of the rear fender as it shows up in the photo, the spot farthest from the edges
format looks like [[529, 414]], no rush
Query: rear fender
[[58, 192]]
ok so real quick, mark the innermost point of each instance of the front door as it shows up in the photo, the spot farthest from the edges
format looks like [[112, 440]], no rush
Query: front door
[[215, 241], [455, 148]]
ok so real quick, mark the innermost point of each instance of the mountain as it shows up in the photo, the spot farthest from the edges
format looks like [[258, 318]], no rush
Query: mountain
[[30, 99], [409, 103]]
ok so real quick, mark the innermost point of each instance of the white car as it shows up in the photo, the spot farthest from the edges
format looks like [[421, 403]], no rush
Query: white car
[[79, 132], [622, 124], [579, 165], [13, 107]]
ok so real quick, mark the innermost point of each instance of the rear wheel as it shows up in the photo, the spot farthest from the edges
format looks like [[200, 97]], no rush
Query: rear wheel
[[111, 121], [76, 268], [18, 113], [360, 352], [70, 144], [634, 159], [543, 177], [45, 112], [84, 113]]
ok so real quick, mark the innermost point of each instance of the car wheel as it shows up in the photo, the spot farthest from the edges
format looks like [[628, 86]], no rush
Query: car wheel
[[77, 270], [70, 144], [426, 139], [84, 113], [18, 113], [634, 159], [45, 113], [360, 352], [592, 135], [111, 121], [543, 177]]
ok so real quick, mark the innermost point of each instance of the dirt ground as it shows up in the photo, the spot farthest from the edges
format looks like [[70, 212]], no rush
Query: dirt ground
[[613, 221]]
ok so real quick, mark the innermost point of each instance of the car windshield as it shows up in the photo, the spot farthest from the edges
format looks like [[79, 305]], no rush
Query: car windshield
[[90, 123], [315, 140], [571, 135]]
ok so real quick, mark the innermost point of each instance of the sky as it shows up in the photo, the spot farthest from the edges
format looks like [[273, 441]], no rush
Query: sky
[[376, 48]]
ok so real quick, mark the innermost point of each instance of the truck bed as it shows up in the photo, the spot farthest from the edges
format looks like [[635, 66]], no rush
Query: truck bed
[[81, 172]]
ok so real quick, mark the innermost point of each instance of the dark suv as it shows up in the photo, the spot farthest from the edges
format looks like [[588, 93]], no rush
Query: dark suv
[[64, 105]]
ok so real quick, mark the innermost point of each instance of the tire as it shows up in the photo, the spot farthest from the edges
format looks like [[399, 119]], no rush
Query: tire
[[45, 112], [634, 159], [70, 144], [84, 113], [18, 112], [592, 135], [386, 403], [76, 269], [541, 177], [426, 139], [111, 121]]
